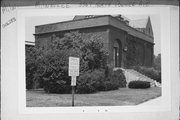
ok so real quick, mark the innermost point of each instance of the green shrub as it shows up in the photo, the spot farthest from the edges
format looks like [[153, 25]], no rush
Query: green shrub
[[119, 75], [114, 80], [149, 72], [29, 81], [31, 67], [97, 80], [57, 81], [56, 86], [139, 84], [90, 82]]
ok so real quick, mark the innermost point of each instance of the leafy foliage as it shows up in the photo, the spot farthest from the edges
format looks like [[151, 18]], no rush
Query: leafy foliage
[[97, 81], [157, 62], [90, 82], [114, 79], [31, 67]]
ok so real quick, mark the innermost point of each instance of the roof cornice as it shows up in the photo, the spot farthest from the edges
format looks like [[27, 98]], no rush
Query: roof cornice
[[105, 20]]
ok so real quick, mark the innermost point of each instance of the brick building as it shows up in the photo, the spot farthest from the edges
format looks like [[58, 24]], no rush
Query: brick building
[[128, 42]]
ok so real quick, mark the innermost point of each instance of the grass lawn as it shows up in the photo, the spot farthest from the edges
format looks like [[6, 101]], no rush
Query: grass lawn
[[122, 96]]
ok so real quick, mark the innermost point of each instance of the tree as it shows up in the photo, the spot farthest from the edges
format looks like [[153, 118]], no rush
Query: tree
[[88, 47], [157, 62]]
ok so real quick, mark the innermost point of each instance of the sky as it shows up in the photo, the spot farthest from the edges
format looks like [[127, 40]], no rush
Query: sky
[[31, 22]]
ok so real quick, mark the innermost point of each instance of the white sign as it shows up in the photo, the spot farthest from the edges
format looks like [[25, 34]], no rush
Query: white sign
[[73, 66]]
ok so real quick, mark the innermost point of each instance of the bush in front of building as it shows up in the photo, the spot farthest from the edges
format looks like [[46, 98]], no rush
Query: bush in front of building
[[114, 80], [54, 65], [90, 82], [119, 75], [57, 82], [97, 80], [139, 84], [31, 67], [56, 86], [149, 72]]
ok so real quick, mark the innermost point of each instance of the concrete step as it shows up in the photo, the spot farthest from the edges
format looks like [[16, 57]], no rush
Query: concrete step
[[132, 75], [140, 76]]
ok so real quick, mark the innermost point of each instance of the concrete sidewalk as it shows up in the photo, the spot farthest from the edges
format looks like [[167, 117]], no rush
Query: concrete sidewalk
[[156, 101]]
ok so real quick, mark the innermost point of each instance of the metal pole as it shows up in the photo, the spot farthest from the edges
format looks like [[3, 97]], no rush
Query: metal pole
[[73, 95]]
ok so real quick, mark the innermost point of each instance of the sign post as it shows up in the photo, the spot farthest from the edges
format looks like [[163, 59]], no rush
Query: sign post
[[73, 91], [73, 72], [73, 83]]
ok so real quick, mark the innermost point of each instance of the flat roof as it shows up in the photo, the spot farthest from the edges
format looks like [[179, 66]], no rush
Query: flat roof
[[89, 23]]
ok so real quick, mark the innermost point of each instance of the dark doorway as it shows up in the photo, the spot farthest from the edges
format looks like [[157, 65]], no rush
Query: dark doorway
[[117, 53], [116, 56]]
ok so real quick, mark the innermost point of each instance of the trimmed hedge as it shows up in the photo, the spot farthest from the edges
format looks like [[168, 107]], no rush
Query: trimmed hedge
[[149, 72], [139, 84]]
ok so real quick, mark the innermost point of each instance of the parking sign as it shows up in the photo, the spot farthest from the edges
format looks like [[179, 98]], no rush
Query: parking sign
[[73, 66]]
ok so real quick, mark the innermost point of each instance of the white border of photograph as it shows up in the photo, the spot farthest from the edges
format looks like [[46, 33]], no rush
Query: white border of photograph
[[164, 13]]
